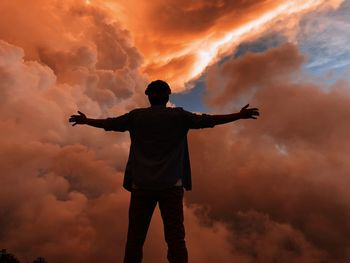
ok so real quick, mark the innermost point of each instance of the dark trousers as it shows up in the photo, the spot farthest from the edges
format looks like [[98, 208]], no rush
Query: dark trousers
[[141, 208]]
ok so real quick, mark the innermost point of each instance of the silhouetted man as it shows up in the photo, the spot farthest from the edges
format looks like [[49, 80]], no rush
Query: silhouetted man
[[158, 167]]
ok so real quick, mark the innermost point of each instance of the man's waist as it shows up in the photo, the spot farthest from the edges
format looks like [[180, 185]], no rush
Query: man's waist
[[178, 183]]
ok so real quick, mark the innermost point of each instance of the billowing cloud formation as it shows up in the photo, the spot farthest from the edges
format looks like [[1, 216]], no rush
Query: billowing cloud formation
[[179, 39], [80, 43], [279, 182], [48, 184], [60, 195], [239, 77]]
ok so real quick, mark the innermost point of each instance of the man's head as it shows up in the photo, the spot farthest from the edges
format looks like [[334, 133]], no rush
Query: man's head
[[158, 92]]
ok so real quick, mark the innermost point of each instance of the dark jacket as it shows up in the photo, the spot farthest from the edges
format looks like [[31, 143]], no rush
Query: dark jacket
[[159, 154]]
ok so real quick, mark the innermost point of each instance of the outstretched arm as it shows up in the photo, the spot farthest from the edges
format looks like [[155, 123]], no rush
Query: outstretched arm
[[82, 119], [245, 113]]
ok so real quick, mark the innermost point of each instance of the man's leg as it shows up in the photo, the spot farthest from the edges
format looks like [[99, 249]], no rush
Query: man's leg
[[170, 204], [141, 208]]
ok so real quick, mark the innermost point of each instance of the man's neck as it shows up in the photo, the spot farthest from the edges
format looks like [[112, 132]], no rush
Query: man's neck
[[158, 106]]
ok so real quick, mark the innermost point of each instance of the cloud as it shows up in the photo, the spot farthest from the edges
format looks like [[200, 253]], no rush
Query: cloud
[[204, 30], [237, 77], [48, 183], [82, 44], [60, 193], [287, 170]]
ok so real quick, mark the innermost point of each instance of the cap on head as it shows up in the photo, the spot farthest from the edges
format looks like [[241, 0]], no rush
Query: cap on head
[[158, 86]]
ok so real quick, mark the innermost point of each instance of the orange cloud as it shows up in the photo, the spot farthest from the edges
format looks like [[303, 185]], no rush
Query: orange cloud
[[239, 77], [202, 30], [288, 167]]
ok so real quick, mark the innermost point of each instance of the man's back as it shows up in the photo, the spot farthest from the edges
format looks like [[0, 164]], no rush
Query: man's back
[[158, 151], [157, 130]]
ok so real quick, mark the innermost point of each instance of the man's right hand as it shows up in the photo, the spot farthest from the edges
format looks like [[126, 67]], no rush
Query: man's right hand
[[78, 119], [248, 113]]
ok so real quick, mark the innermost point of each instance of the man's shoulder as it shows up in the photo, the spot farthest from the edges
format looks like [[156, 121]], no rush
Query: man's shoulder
[[171, 109], [138, 111], [178, 111]]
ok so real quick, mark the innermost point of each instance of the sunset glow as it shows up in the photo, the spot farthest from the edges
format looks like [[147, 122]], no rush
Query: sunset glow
[[208, 53], [210, 48]]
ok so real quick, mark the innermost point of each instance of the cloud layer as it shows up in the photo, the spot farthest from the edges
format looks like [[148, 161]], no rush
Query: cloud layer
[[179, 39], [285, 173]]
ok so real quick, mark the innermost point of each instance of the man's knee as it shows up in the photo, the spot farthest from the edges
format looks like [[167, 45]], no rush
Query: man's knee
[[176, 243]]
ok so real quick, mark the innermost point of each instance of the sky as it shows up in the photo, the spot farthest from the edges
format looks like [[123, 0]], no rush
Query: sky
[[268, 190]]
